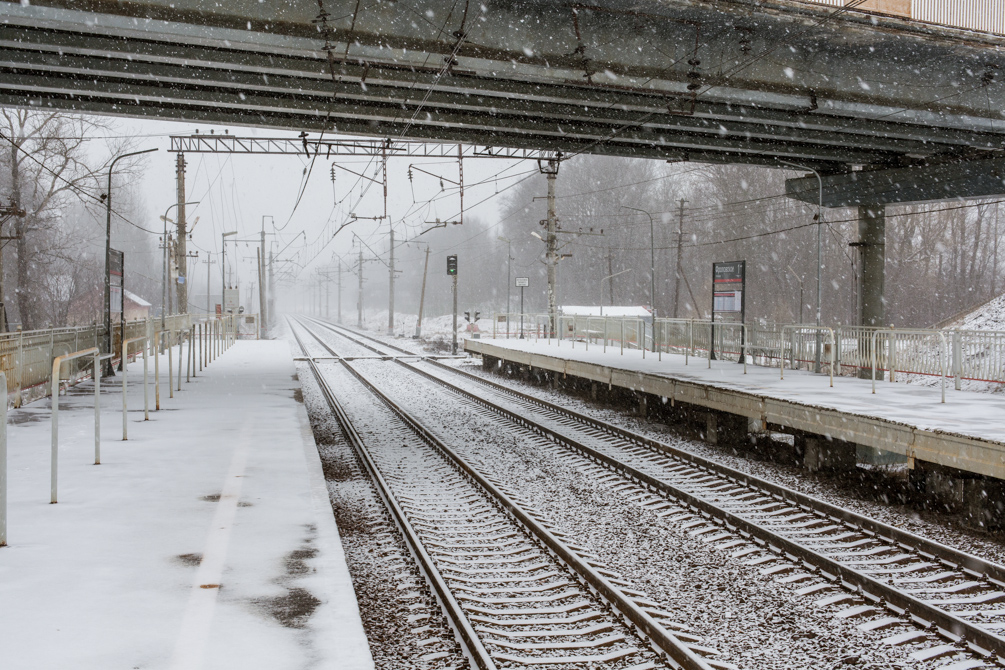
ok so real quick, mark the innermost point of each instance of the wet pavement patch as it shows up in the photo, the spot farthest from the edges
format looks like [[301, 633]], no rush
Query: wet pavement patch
[[298, 395], [191, 560], [294, 608]]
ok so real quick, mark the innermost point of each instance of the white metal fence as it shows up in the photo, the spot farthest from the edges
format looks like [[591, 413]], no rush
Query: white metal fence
[[960, 355]]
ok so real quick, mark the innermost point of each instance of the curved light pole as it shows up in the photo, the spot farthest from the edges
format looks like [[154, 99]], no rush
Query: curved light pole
[[652, 260], [164, 275], [602, 288], [820, 220], [108, 259]]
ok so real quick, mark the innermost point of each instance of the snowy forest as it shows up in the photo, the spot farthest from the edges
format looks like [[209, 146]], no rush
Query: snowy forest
[[942, 258], [53, 256]]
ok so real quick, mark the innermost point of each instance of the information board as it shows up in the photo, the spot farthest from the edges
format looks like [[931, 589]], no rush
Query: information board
[[522, 282], [728, 286]]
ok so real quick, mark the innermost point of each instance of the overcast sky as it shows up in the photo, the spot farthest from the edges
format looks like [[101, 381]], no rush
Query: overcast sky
[[236, 191]]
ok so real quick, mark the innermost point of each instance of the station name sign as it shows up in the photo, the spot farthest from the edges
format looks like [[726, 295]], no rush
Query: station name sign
[[728, 281]]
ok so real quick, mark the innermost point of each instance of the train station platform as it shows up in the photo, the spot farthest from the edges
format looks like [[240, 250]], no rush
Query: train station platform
[[966, 433], [206, 540]]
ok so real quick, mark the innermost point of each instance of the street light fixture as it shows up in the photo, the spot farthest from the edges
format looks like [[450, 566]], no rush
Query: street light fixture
[[509, 273], [166, 220], [652, 260], [223, 267], [108, 257], [602, 288]]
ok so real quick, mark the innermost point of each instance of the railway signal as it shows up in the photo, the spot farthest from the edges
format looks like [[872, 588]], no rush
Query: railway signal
[[452, 272]]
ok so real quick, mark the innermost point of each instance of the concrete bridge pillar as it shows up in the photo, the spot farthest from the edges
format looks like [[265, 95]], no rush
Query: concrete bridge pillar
[[871, 270], [872, 264]]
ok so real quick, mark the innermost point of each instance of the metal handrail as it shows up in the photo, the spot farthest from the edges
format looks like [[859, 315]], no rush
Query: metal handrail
[[125, 400], [893, 334], [781, 354], [54, 456]]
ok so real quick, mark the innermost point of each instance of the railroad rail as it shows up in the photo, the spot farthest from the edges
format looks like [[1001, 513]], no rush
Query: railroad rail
[[516, 593], [898, 582]]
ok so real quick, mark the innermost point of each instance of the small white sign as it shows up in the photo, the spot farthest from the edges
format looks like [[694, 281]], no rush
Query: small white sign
[[728, 301], [522, 282]]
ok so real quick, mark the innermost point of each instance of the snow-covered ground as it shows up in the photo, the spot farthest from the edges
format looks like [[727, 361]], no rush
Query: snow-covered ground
[[204, 541], [990, 316], [434, 328]]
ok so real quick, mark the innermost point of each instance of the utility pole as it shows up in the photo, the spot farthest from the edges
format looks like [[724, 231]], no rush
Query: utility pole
[[262, 289], [181, 249], [359, 293], [390, 280], [680, 251], [550, 170], [452, 272], [272, 288], [422, 296], [260, 256], [340, 291], [209, 263]]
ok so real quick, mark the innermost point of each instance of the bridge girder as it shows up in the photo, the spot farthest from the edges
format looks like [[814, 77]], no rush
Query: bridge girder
[[776, 80]]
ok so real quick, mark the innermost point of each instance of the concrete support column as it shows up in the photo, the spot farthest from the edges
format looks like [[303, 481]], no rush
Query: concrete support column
[[834, 455], [643, 405], [727, 430], [871, 272], [872, 264]]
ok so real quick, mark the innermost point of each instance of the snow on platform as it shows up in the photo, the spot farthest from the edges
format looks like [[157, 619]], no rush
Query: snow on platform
[[206, 540], [967, 432]]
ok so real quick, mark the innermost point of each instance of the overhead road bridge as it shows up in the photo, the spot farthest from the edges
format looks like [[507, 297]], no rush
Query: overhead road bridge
[[861, 97]]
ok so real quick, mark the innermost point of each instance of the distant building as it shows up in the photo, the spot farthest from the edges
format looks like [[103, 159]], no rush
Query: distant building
[[89, 308]]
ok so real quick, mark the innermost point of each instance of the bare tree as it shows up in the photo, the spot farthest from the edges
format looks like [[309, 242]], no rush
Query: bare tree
[[46, 167]]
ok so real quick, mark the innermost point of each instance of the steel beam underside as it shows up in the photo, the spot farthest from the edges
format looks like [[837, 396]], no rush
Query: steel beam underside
[[964, 452], [529, 75]]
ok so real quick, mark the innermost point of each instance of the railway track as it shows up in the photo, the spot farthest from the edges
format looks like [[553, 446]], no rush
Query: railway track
[[516, 593], [904, 588]]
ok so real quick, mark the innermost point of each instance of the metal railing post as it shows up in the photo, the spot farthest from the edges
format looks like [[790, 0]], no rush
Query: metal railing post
[[125, 402], [54, 446], [200, 357], [872, 352], [158, 350], [19, 398], [958, 359], [190, 363], [945, 353], [54, 429], [3, 463], [170, 369], [146, 395], [97, 408], [891, 354]]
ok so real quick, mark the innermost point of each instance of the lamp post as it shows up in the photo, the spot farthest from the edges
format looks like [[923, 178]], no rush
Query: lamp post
[[652, 260], [602, 288], [509, 274], [108, 257], [164, 282], [223, 266], [820, 220]]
